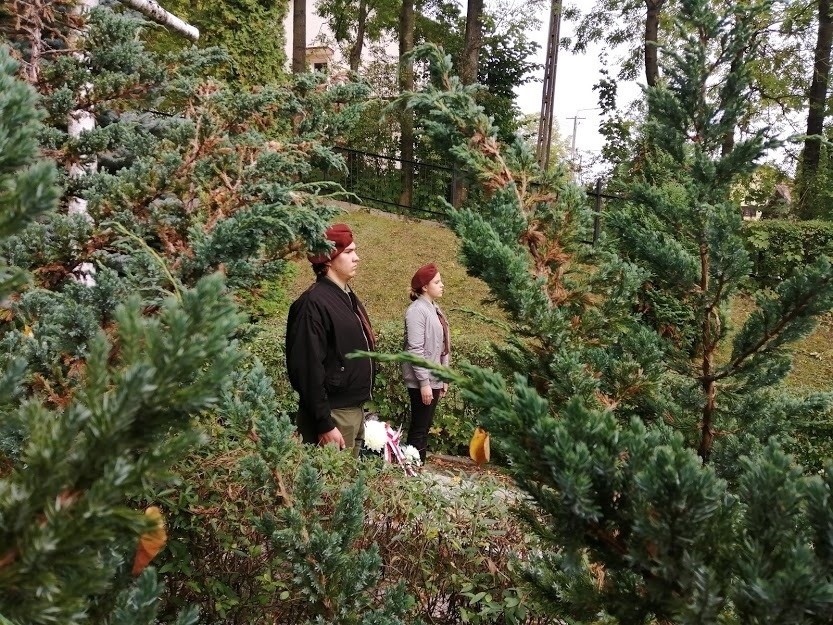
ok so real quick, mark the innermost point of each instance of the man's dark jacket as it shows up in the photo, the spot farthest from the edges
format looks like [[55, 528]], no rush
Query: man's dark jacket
[[322, 328]]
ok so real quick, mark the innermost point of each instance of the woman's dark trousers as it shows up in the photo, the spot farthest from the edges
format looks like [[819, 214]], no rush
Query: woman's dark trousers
[[422, 417]]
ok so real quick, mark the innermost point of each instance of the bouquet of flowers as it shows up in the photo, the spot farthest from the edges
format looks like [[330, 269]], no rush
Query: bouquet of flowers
[[381, 438]]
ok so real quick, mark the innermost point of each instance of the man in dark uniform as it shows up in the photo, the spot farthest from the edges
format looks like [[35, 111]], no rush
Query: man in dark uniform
[[326, 323]]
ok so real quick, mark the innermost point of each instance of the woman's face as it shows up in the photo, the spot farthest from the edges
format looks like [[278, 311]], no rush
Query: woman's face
[[434, 289]]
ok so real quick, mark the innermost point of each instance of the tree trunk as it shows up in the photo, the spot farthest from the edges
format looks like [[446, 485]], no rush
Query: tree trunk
[[729, 137], [651, 37], [406, 83], [818, 90], [299, 36], [469, 65], [81, 120], [708, 346], [356, 50], [149, 8], [474, 41], [36, 41]]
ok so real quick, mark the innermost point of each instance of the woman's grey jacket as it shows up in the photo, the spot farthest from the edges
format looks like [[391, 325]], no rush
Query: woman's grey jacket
[[424, 338]]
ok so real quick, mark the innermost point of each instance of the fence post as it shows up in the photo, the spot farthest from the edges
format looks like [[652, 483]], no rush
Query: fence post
[[597, 217]]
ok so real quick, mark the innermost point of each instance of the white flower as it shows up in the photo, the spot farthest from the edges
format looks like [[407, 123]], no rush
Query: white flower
[[411, 455], [375, 435]]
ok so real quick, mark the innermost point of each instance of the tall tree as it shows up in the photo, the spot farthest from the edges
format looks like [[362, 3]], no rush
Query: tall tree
[[469, 62], [652, 19], [506, 56], [355, 57], [638, 25], [354, 25], [817, 97], [299, 36]]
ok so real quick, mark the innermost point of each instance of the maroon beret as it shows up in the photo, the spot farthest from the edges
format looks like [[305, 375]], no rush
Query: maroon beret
[[423, 276], [341, 236]]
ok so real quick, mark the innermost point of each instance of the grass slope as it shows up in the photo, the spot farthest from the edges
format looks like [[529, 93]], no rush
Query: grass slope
[[812, 367], [391, 249]]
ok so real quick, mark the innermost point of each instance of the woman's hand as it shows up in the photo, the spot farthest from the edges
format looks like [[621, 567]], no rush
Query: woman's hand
[[427, 394], [444, 390]]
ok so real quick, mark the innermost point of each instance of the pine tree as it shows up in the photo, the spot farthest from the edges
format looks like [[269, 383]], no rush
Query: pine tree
[[684, 229], [66, 534], [640, 527]]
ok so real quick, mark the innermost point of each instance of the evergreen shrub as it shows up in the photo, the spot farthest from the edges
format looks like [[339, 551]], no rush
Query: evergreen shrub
[[243, 526], [68, 465], [654, 460]]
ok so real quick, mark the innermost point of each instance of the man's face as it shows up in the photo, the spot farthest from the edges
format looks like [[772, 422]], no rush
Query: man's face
[[344, 265]]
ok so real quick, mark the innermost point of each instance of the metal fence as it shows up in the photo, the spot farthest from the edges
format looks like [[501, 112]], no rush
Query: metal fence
[[379, 181]]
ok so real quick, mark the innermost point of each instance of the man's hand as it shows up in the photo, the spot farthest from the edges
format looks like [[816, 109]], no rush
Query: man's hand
[[427, 395], [444, 390], [333, 437]]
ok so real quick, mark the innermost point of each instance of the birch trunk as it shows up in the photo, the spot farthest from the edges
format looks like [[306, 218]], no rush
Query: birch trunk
[[33, 70], [81, 120], [151, 9]]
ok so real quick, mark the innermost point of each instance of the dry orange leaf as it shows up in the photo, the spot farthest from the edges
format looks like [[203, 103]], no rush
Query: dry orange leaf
[[479, 446], [151, 542]]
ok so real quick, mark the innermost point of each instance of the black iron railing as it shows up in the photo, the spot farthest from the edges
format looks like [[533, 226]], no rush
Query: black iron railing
[[380, 180]]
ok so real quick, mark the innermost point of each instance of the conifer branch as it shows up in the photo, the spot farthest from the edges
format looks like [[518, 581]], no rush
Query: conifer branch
[[772, 333]]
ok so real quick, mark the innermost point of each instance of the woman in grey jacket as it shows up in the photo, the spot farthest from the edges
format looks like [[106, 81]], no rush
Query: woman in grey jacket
[[426, 336]]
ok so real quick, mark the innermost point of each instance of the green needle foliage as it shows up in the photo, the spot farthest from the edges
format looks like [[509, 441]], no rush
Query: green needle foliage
[[685, 231], [654, 460], [187, 176], [312, 533], [573, 329], [67, 535]]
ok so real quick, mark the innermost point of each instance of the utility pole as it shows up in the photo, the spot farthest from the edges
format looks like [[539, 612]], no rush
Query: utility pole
[[575, 119], [545, 121]]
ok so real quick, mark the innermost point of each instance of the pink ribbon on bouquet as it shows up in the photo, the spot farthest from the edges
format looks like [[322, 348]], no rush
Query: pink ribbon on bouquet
[[392, 450]]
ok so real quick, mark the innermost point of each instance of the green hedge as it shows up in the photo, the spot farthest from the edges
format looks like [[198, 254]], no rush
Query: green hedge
[[778, 246]]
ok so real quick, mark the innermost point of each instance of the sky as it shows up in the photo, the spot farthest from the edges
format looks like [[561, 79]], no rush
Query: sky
[[574, 96]]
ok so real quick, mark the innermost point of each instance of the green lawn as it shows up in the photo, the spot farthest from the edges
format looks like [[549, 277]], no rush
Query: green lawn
[[813, 357]]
